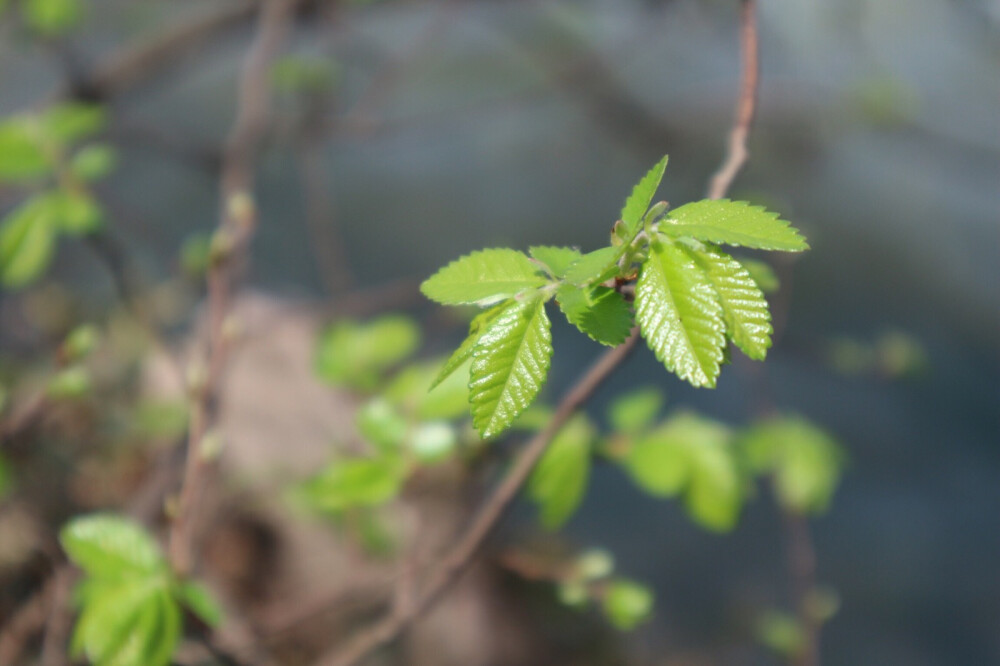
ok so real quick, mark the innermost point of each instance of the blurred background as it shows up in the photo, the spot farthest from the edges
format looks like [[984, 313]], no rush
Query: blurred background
[[405, 134]]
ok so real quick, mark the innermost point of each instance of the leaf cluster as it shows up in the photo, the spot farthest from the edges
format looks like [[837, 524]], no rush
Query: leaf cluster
[[39, 152], [130, 601], [690, 297]]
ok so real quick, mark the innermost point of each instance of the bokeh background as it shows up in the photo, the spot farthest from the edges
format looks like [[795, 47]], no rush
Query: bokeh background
[[409, 133]]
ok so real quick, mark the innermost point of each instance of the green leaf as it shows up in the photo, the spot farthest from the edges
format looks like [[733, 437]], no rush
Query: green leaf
[[780, 632], [199, 601], [111, 547], [22, 152], [805, 461], [694, 456], [627, 604], [27, 242], [635, 411], [356, 354], [433, 442], [380, 424], [72, 121], [356, 482], [733, 223], [595, 267], [556, 259], [642, 196], [599, 312], [76, 213], [559, 481], [679, 314], [69, 383], [93, 162], [744, 308], [483, 278], [160, 635], [51, 17], [446, 400], [509, 365], [464, 352], [116, 621], [762, 274]]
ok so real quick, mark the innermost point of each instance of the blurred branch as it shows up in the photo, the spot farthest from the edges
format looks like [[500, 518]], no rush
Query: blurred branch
[[236, 227], [737, 153], [460, 556]]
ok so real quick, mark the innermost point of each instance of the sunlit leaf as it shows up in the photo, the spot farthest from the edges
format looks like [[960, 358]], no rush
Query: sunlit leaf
[[557, 259], [642, 196], [434, 441], [599, 312], [680, 315], [380, 424], [356, 354], [733, 223], [483, 278], [76, 213], [762, 274], [51, 17], [559, 481], [109, 546], [510, 363], [744, 308], [464, 352], [594, 267], [93, 162], [71, 121]]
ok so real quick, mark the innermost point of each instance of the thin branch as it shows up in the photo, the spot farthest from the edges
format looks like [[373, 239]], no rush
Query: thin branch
[[737, 153], [461, 555], [236, 228]]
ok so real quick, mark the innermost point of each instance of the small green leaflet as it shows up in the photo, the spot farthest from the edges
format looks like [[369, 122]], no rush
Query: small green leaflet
[[509, 365], [733, 223], [560, 480], [129, 597], [679, 314], [22, 153], [599, 312], [762, 274], [464, 352], [748, 319], [356, 482], [642, 195], [483, 278], [627, 604], [27, 243], [636, 410], [556, 259], [595, 267]]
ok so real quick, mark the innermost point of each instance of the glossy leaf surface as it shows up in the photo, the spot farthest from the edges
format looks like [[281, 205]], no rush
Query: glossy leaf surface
[[483, 278], [733, 223]]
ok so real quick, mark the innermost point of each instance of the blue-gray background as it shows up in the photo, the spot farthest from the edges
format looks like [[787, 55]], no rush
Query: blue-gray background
[[524, 123]]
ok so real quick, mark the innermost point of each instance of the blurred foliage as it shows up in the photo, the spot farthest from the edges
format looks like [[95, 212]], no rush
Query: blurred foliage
[[892, 355], [129, 599]]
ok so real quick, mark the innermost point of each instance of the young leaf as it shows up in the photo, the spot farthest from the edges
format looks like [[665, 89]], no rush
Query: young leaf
[[733, 223], [627, 604], [355, 354], [635, 411], [70, 122], [806, 461], [642, 196], [22, 155], [116, 622], [556, 259], [762, 274], [594, 267], [27, 242], [464, 352], [93, 162], [509, 365], [356, 482], [680, 315], [658, 463], [559, 481], [483, 278], [199, 601], [600, 312], [51, 17], [111, 547], [160, 636], [76, 213], [748, 320]]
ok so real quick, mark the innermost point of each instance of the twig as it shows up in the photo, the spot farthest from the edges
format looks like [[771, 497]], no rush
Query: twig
[[236, 228], [737, 153], [802, 570], [460, 556]]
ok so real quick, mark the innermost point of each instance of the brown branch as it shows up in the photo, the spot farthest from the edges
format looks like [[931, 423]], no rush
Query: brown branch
[[461, 555], [235, 230], [737, 153]]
